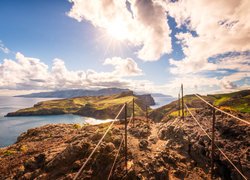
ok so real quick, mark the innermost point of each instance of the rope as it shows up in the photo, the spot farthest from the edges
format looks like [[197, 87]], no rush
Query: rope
[[110, 126], [216, 145], [119, 149], [222, 110]]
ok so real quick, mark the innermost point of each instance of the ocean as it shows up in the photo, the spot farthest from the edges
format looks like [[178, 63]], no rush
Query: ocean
[[12, 127], [161, 101]]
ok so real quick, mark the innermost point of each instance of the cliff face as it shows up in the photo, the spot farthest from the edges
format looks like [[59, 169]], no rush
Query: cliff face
[[101, 107], [75, 93], [147, 99]]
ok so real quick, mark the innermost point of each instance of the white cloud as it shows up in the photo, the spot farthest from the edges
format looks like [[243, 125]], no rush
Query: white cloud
[[124, 67], [217, 41], [3, 48], [146, 26], [221, 27], [237, 62], [26, 73]]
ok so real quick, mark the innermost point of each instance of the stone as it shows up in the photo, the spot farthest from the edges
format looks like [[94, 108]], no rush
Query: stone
[[143, 144], [109, 147], [161, 174]]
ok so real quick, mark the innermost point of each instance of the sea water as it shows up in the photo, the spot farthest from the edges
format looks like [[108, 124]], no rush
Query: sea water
[[12, 127]]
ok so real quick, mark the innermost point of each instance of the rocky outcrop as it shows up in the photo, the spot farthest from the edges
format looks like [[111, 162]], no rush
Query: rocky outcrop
[[190, 141], [147, 99], [175, 149], [58, 152]]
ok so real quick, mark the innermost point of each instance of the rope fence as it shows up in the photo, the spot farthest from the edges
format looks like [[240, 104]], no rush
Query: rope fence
[[235, 167], [118, 151], [98, 144], [181, 108], [242, 120]]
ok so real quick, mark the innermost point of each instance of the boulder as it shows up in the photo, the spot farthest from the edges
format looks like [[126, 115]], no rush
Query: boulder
[[143, 144]]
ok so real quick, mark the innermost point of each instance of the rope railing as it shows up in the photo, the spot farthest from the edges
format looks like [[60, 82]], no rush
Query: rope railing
[[118, 151], [235, 167], [242, 120], [98, 144]]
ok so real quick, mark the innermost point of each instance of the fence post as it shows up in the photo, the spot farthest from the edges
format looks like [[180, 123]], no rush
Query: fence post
[[182, 101], [179, 105], [133, 112], [212, 155], [126, 154]]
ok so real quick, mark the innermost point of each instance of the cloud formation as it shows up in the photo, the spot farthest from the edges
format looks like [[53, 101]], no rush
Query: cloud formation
[[143, 24], [3, 48], [217, 42], [123, 67], [220, 27], [26, 73]]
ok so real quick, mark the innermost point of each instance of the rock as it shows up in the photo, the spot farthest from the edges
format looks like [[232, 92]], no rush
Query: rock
[[143, 144], [30, 164], [169, 159], [69, 155], [147, 99], [76, 165], [109, 147], [96, 136], [153, 139], [179, 173], [27, 176], [161, 174], [40, 159], [117, 141]]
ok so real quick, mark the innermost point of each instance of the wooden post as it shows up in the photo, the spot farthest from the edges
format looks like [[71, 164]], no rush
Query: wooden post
[[133, 112], [179, 105], [182, 102], [147, 113], [125, 142], [212, 155]]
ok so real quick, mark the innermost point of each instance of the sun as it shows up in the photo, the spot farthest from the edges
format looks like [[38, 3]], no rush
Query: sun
[[117, 30]]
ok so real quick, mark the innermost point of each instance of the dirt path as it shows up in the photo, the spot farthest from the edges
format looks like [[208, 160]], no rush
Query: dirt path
[[144, 149]]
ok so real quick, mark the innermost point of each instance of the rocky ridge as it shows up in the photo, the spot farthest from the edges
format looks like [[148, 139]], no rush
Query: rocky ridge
[[174, 149]]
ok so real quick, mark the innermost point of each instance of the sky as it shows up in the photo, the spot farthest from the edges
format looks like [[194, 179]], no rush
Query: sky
[[143, 45]]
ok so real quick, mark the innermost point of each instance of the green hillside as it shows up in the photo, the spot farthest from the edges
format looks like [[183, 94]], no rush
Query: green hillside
[[238, 102], [103, 107]]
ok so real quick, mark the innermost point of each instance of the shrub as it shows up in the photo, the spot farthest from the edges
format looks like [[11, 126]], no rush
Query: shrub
[[77, 126], [9, 152], [23, 148]]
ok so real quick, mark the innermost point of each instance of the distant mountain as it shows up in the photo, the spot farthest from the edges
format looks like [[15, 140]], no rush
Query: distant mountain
[[161, 95], [75, 93]]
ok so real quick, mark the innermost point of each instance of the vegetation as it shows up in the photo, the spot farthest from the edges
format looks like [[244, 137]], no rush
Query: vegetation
[[77, 126], [236, 101], [23, 148], [103, 107], [9, 152]]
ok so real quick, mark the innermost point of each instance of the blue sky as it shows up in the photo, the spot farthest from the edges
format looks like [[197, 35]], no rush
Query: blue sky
[[45, 30]]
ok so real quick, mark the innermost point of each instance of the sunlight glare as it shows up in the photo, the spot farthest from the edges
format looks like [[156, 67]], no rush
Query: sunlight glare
[[117, 30]]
